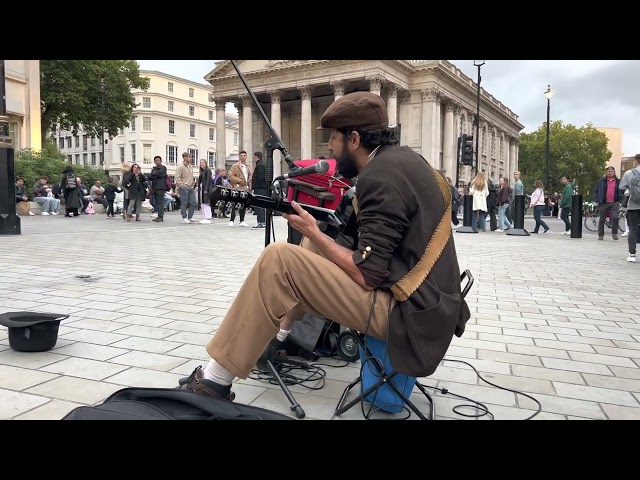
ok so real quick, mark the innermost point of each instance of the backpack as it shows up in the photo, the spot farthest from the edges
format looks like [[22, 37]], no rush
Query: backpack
[[71, 180], [167, 182], [169, 404], [634, 186]]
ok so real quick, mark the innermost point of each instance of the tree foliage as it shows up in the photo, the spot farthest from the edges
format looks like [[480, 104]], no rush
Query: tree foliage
[[580, 153], [31, 165], [72, 94]]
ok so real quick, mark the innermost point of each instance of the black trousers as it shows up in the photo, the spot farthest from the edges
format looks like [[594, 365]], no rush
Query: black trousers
[[159, 197]]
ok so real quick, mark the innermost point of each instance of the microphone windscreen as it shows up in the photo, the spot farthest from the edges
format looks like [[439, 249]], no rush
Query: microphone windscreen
[[322, 166]]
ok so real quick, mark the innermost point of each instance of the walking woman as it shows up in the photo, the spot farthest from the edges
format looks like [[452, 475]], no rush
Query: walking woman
[[204, 187], [480, 191], [72, 193], [538, 204], [503, 203], [137, 186]]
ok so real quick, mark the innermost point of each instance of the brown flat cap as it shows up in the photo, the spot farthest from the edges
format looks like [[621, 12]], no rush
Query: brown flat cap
[[358, 111]]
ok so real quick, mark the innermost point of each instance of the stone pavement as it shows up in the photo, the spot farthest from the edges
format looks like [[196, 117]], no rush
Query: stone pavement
[[552, 316]]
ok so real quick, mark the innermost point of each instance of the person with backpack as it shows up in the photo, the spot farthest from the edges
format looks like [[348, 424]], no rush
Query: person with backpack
[[607, 196], [631, 181], [72, 194]]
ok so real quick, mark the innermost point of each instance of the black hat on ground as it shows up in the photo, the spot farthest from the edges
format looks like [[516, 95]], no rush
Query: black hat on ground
[[32, 331]]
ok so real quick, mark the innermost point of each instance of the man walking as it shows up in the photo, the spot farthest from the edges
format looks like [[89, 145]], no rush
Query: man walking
[[565, 204], [631, 181], [607, 196], [186, 187], [158, 177]]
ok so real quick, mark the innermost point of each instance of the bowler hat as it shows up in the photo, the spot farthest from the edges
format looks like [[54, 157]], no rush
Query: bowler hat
[[30, 331], [357, 111]]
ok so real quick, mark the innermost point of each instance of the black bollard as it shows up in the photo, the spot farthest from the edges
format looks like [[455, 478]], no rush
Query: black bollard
[[518, 218], [576, 216], [467, 215], [9, 221]]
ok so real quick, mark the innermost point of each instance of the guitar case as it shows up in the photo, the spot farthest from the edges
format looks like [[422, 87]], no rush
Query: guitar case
[[318, 189]]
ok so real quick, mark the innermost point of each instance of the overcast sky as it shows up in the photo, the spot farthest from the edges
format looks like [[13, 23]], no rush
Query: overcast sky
[[603, 92]]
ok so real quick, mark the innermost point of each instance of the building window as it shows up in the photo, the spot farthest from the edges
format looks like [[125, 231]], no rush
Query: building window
[[70, 159], [191, 93], [211, 97], [101, 158], [323, 137], [77, 158], [172, 126], [212, 134], [61, 144], [170, 105], [146, 153], [93, 159], [68, 142], [211, 115], [84, 158], [211, 158], [133, 153], [172, 154], [192, 130], [192, 111], [132, 124], [84, 142], [121, 154], [194, 155], [146, 124], [170, 87], [235, 138], [93, 141], [77, 141], [146, 102]]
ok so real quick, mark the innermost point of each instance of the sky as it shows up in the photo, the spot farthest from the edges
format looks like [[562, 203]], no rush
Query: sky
[[605, 93]]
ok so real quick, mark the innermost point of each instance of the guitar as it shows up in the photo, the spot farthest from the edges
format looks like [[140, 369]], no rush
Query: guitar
[[340, 224]]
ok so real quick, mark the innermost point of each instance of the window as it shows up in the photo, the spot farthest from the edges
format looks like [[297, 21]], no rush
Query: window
[[68, 142], [170, 87], [212, 134], [172, 154], [170, 105], [14, 134], [77, 158], [77, 141], [322, 137], [101, 158], [84, 142], [211, 97], [192, 111], [132, 124], [211, 115], [235, 138], [122, 154], [192, 130], [133, 153], [211, 158], [146, 124], [191, 93], [93, 159], [172, 126], [93, 141], [61, 143], [194, 155], [146, 153], [70, 158], [146, 102], [84, 158]]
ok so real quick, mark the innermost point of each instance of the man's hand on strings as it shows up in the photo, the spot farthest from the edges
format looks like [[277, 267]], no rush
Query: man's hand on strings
[[302, 221]]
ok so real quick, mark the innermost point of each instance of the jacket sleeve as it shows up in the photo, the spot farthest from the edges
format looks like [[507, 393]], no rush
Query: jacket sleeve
[[235, 179]]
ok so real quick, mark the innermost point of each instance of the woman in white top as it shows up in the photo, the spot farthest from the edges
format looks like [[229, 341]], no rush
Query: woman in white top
[[537, 202], [480, 191]]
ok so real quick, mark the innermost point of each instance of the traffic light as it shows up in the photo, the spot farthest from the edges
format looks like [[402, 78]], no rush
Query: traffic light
[[467, 149]]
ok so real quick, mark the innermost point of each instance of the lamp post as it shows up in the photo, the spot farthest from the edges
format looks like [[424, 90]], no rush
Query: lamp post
[[9, 221], [479, 64], [102, 122], [548, 94]]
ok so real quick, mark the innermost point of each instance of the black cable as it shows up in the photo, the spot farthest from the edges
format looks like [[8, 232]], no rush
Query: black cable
[[289, 378]]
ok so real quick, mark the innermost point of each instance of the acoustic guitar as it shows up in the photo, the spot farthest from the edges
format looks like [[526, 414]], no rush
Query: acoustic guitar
[[340, 224]]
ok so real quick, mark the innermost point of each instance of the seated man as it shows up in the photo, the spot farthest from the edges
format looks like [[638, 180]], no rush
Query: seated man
[[96, 193], [21, 196], [42, 195], [400, 203]]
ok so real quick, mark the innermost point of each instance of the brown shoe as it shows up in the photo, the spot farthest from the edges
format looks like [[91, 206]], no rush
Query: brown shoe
[[615, 237], [198, 384]]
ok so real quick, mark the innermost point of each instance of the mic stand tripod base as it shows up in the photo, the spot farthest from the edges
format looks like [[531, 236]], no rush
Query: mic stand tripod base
[[295, 406]]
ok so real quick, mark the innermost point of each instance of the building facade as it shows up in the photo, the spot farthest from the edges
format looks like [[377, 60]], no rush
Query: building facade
[[22, 82], [172, 117], [432, 101], [614, 144]]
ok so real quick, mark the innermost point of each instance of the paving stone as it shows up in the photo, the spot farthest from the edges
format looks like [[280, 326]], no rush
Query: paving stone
[[618, 412], [513, 358], [15, 403], [52, 410], [152, 361], [546, 374], [596, 394], [84, 368]]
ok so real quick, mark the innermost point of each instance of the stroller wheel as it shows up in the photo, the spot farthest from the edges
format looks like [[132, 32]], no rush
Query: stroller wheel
[[348, 347]]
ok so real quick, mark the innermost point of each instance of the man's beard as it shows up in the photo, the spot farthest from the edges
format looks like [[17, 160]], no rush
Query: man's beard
[[346, 164]]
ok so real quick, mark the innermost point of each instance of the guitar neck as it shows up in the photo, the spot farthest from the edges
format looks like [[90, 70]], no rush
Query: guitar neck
[[283, 206]]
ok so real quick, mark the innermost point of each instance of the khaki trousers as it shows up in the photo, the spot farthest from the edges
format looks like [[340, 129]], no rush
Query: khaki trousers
[[288, 281]]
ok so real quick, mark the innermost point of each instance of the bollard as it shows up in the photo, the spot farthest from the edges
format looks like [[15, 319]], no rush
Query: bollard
[[9, 221], [576, 216], [467, 215], [518, 218]]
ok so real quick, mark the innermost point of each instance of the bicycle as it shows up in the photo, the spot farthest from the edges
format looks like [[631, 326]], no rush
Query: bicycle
[[592, 218]]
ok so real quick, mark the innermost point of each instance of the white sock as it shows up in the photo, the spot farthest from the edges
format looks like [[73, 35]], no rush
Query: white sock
[[282, 335], [218, 374]]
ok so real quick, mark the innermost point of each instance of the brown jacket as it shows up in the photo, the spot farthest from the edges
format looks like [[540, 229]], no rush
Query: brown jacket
[[236, 177], [400, 206]]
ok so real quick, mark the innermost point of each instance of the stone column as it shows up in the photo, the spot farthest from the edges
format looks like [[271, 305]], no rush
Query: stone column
[[427, 131], [305, 125], [247, 124], [221, 133], [516, 156], [406, 132], [375, 84], [447, 142], [505, 154], [512, 159], [438, 141], [239, 108], [392, 104], [338, 88], [276, 123], [457, 128]]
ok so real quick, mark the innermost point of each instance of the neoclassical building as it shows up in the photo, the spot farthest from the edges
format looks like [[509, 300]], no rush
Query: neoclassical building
[[432, 101]]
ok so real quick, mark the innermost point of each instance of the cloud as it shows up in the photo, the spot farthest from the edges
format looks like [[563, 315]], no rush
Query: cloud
[[602, 92]]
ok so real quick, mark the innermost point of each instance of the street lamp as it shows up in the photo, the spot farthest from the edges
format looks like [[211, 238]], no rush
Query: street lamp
[[102, 122], [9, 221], [548, 94], [479, 64]]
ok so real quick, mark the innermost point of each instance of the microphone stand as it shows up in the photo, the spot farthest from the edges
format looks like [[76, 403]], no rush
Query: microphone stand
[[272, 144]]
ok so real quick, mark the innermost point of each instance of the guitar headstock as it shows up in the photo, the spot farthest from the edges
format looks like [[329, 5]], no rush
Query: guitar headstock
[[222, 197]]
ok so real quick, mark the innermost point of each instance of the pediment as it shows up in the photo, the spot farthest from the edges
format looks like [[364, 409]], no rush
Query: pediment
[[249, 67]]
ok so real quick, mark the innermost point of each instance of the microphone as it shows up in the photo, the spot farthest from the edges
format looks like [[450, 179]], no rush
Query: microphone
[[321, 167]]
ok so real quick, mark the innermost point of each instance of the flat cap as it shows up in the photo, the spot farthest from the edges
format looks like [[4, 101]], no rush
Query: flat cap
[[358, 111]]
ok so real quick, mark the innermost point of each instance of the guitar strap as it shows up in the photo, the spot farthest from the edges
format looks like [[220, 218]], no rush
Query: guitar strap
[[404, 288]]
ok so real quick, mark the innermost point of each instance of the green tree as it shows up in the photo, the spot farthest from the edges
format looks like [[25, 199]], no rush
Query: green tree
[[72, 94], [31, 165], [580, 153]]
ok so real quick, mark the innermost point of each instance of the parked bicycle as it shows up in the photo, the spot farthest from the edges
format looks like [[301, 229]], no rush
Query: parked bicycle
[[592, 218]]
